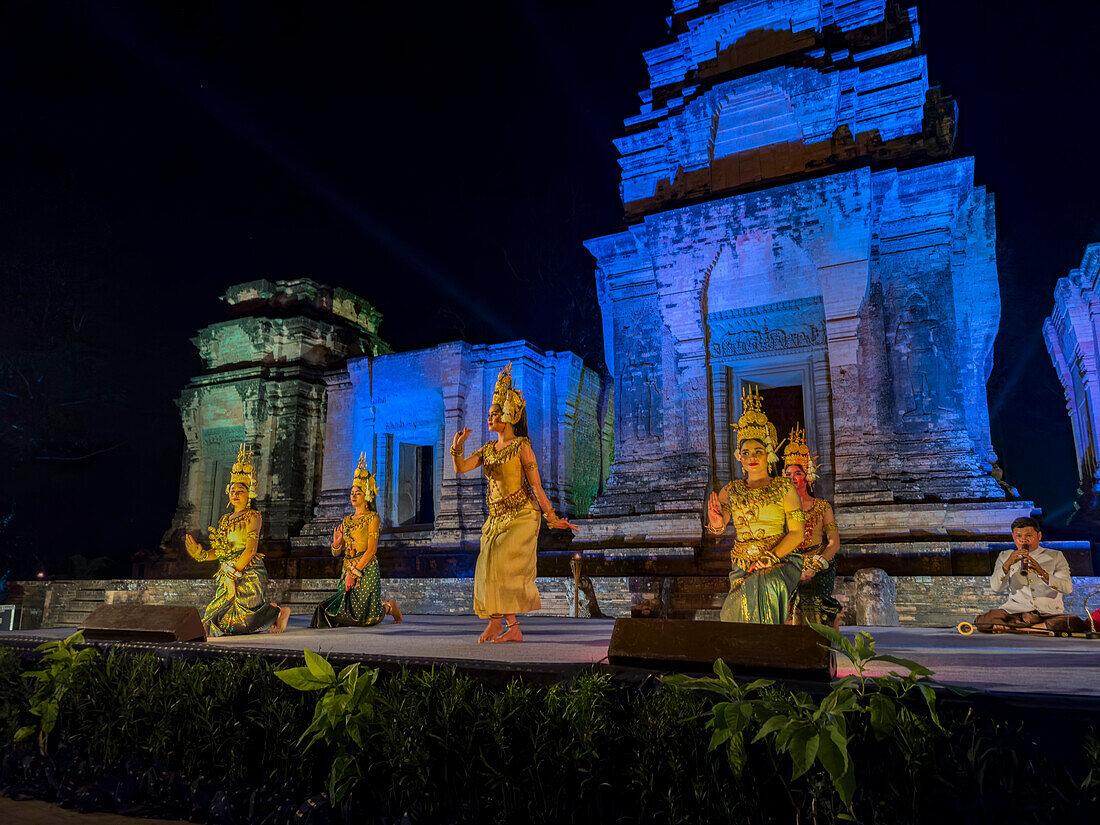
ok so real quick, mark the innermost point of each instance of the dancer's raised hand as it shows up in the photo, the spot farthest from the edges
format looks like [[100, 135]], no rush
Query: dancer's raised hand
[[460, 438], [714, 511]]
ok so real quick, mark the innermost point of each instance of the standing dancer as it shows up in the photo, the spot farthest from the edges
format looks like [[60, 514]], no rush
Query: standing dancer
[[815, 602], [504, 578], [768, 518], [239, 604], [357, 602]]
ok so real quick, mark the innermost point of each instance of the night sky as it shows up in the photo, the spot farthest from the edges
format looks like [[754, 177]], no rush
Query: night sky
[[445, 161]]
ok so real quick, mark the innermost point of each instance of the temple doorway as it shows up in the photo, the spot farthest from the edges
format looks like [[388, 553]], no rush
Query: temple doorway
[[785, 407], [415, 497]]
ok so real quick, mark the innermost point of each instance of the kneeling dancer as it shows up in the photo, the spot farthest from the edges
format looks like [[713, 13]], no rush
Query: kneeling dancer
[[504, 577], [240, 604], [815, 602], [767, 515], [357, 601]]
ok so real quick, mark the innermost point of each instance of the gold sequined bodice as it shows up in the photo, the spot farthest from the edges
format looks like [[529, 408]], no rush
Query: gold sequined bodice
[[504, 471], [760, 513], [358, 531], [230, 538], [815, 517]]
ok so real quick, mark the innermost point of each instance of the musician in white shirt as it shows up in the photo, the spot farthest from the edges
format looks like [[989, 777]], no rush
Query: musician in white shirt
[[1035, 577]]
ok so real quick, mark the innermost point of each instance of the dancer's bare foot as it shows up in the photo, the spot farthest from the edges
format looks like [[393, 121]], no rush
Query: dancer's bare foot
[[511, 634], [280, 623], [393, 610], [491, 631]]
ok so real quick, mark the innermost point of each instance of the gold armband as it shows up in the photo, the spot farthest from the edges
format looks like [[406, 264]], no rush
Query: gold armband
[[830, 526]]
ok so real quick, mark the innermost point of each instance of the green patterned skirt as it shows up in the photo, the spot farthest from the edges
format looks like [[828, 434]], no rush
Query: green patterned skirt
[[245, 610], [765, 597], [815, 602], [359, 607]]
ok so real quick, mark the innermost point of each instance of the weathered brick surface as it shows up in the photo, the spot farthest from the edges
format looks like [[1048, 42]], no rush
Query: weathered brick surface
[[68, 603], [263, 385], [421, 398], [923, 601], [873, 289], [1071, 340]]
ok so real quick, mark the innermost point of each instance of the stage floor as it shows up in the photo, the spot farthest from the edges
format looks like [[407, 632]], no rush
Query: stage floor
[[555, 647]]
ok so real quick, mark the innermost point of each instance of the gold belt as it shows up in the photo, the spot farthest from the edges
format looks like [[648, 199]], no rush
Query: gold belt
[[751, 551], [509, 504]]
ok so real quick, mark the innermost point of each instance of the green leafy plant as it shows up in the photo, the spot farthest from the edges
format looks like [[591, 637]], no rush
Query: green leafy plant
[[61, 662], [341, 716], [810, 732]]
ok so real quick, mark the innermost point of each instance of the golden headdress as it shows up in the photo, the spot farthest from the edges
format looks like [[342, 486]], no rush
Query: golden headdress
[[243, 472], [508, 398], [754, 424], [798, 452], [364, 480]]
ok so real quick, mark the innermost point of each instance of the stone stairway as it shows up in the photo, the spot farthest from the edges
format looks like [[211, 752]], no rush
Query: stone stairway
[[76, 607]]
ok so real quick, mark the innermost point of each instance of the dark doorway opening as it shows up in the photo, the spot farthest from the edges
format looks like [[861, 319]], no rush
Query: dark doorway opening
[[784, 407], [415, 495]]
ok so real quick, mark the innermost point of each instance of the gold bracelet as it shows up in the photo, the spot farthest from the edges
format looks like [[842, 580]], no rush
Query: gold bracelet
[[457, 452], [714, 532], [768, 560]]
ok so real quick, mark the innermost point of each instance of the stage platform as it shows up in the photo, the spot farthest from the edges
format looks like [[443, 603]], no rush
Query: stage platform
[[557, 648]]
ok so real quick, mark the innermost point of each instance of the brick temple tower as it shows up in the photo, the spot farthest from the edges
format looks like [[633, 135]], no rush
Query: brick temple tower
[[795, 220]]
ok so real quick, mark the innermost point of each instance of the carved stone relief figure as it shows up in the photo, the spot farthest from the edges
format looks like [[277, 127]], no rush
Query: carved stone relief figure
[[638, 412], [921, 349], [639, 398]]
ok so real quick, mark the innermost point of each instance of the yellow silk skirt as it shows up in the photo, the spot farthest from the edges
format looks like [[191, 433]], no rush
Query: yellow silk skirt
[[504, 577]]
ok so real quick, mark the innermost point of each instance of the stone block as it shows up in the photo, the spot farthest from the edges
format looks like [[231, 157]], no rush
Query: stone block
[[876, 598]]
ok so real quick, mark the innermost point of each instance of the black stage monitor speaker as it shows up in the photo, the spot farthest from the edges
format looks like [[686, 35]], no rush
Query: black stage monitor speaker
[[756, 649], [145, 623]]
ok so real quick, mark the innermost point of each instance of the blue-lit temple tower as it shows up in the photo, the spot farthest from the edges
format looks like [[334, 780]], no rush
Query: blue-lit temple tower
[[795, 219]]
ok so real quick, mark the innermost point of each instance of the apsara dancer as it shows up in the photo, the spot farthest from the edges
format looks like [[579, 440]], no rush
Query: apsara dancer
[[504, 577], [240, 604], [357, 601], [768, 518]]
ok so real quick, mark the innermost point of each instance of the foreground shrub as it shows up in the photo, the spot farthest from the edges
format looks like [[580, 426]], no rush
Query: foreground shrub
[[228, 739]]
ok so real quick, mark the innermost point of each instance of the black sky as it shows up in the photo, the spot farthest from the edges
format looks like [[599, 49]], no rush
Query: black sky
[[445, 161]]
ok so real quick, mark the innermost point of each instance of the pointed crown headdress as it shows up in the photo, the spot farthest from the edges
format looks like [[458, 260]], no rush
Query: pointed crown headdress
[[508, 398], [243, 472], [364, 480], [754, 424], [798, 452]]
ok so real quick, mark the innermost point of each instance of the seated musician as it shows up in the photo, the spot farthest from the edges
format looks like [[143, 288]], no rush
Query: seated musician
[[1036, 579]]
